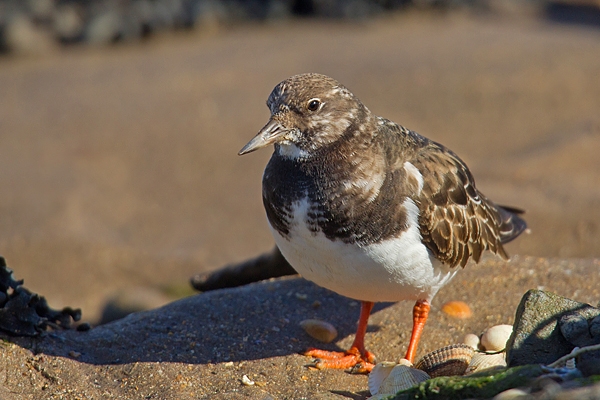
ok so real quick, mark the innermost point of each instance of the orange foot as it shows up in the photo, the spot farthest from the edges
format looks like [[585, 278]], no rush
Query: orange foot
[[357, 358], [359, 362]]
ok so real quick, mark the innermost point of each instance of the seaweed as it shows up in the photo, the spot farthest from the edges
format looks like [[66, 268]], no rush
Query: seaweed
[[23, 313]]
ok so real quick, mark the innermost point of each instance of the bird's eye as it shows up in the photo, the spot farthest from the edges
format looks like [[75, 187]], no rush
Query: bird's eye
[[313, 104]]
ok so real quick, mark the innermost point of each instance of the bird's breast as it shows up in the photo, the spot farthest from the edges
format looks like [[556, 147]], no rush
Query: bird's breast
[[394, 269], [344, 201]]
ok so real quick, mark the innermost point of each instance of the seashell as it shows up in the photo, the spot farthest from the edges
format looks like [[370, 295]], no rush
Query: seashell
[[495, 338], [471, 340], [484, 362], [447, 361], [247, 381], [513, 394], [321, 330], [388, 378], [457, 309], [378, 374]]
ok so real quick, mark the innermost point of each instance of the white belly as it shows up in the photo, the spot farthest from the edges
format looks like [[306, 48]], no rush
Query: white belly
[[393, 270]]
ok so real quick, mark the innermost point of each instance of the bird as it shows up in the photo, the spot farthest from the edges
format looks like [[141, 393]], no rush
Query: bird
[[369, 209]]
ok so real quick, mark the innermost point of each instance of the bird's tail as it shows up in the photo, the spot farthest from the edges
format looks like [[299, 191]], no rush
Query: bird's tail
[[512, 224]]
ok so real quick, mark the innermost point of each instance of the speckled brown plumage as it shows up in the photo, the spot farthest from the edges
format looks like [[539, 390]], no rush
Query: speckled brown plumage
[[457, 222], [367, 208]]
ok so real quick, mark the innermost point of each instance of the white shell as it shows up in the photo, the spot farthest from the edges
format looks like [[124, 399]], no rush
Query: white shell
[[247, 381], [495, 338], [389, 378], [482, 362], [378, 374], [471, 340], [511, 394]]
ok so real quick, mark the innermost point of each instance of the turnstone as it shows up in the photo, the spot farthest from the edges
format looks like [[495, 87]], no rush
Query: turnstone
[[367, 208]]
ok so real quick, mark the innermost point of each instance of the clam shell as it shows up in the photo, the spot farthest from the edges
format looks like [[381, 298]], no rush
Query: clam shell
[[495, 338], [447, 361], [321, 330], [483, 362], [389, 378], [378, 374]]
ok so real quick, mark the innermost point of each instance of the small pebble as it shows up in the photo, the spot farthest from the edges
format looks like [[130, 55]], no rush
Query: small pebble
[[247, 381], [457, 309], [74, 354], [301, 296], [84, 327], [511, 394], [495, 338], [471, 340], [321, 330]]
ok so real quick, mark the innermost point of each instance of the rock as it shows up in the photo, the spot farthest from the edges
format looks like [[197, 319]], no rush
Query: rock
[[41, 10], [197, 347], [589, 363], [537, 338], [595, 328], [104, 28], [132, 300], [24, 37], [574, 327], [68, 23], [266, 266]]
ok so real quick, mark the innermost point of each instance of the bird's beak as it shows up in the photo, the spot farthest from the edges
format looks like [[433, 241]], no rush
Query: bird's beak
[[272, 131]]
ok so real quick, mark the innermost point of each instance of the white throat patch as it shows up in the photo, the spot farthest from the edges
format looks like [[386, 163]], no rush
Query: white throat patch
[[291, 151]]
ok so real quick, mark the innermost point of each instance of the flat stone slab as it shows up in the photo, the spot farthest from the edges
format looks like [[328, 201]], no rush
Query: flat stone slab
[[203, 345]]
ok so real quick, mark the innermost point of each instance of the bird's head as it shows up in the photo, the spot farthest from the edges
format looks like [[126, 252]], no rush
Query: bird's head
[[308, 112]]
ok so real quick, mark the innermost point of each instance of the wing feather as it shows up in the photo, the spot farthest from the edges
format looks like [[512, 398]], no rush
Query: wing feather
[[457, 222]]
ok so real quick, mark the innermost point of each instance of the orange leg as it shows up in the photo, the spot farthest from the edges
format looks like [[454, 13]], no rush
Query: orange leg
[[357, 356], [420, 314]]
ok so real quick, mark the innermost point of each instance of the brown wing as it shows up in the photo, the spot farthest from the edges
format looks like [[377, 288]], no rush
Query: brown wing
[[456, 220]]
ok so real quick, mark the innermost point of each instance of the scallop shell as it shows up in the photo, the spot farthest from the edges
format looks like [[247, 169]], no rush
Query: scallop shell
[[321, 330], [447, 361], [495, 338], [388, 378], [484, 362]]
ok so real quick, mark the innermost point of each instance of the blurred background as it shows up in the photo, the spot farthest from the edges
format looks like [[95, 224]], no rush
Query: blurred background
[[120, 123]]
